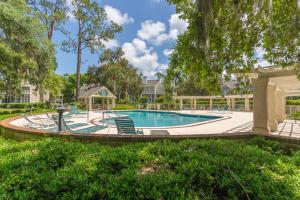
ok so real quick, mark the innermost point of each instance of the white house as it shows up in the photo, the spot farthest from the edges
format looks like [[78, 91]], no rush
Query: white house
[[152, 89], [29, 94]]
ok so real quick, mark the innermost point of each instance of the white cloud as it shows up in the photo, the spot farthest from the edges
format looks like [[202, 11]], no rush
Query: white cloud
[[151, 30], [116, 16], [168, 52], [157, 1], [157, 33], [177, 26], [142, 57], [111, 43], [71, 9]]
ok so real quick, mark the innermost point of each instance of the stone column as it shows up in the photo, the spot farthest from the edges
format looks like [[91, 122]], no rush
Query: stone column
[[181, 104], [210, 103], [264, 106], [233, 104], [158, 106], [90, 103], [195, 104], [113, 103], [280, 106], [247, 104], [228, 103]]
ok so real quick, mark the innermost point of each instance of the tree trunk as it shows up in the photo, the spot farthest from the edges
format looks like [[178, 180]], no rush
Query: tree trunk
[[78, 61], [50, 30]]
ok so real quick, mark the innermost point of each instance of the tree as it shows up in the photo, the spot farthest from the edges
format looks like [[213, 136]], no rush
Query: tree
[[115, 72], [69, 86], [222, 36], [52, 13], [23, 45], [93, 29]]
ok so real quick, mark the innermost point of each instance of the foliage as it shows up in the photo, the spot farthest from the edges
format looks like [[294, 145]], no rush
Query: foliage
[[124, 107], [222, 38], [191, 169], [93, 29], [116, 74], [26, 54], [295, 115], [69, 86], [293, 102], [52, 14]]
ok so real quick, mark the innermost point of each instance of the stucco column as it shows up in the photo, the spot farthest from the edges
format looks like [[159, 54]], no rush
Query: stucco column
[[247, 104], [181, 104], [228, 103], [195, 104], [264, 106], [113, 103], [233, 103], [280, 106], [90, 103], [210, 103], [158, 106]]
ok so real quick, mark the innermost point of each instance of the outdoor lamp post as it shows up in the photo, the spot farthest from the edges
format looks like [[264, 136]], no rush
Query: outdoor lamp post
[[60, 111]]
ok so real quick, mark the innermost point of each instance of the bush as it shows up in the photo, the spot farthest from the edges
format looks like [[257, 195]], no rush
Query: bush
[[191, 169], [293, 102], [124, 107], [24, 105]]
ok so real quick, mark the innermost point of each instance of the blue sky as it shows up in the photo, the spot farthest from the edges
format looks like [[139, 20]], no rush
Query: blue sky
[[150, 29]]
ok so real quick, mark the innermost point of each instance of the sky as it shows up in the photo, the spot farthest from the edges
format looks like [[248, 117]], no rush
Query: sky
[[150, 29]]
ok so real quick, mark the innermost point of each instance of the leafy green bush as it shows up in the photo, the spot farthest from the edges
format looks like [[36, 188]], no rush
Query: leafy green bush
[[293, 102], [191, 169], [24, 105], [124, 107]]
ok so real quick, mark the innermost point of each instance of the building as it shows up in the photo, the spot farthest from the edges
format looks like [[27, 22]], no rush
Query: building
[[29, 94], [97, 97], [152, 89]]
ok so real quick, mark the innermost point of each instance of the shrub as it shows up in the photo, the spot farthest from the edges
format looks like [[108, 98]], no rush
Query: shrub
[[124, 107], [293, 102], [191, 169]]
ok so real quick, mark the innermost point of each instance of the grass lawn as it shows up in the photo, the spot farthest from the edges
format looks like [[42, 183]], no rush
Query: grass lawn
[[5, 115], [192, 169]]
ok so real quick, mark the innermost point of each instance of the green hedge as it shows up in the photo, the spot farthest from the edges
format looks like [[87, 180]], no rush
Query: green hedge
[[124, 107], [24, 105], [293, 102], [206, 169]]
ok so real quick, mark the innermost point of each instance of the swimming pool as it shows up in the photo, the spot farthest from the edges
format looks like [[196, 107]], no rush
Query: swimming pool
[[160, 119]]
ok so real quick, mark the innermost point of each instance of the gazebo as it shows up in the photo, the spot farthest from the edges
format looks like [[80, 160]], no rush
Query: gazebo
[[97, 97]]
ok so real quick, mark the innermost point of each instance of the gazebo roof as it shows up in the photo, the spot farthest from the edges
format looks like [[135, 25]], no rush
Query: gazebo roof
[[95, 91]]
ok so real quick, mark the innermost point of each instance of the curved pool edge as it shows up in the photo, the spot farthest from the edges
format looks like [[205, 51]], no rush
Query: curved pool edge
[[220, 118]]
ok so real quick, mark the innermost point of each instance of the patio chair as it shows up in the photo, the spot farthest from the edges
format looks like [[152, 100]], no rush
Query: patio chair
[[75, 111], [34, 124], [126, 126], [69, 128]]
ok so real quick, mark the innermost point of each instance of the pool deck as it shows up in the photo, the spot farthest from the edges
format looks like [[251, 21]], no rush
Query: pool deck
[[230, 121]]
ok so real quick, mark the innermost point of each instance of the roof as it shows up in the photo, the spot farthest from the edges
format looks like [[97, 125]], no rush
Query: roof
[[93, 91], [152, 82]]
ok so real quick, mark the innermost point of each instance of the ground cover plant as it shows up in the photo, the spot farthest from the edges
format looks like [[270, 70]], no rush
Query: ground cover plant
[[192, 169]]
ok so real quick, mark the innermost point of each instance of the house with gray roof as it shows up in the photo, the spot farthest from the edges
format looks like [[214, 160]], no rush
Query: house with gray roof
[[152, 89]]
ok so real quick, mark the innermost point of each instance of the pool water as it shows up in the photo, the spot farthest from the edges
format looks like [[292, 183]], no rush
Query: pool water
[[160, 119]]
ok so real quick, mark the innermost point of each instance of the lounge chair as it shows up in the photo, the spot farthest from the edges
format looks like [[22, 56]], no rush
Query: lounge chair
[[35, 124], [69, 128], [75, 111], [126, 126]]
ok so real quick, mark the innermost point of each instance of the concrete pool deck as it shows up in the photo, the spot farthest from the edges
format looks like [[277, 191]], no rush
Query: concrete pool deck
[[229, 121]]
